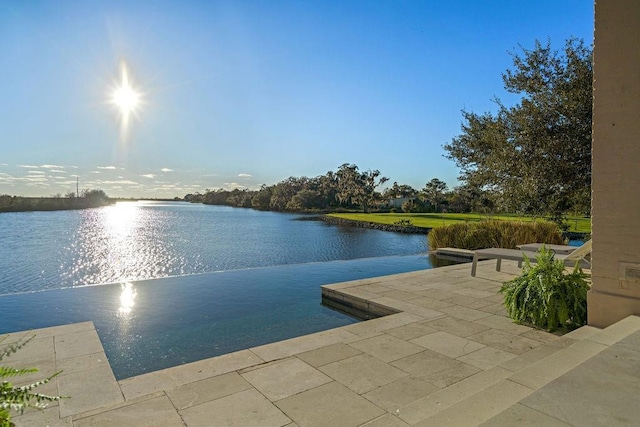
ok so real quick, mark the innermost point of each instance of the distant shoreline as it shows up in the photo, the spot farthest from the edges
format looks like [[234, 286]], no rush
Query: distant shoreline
[[16, 204]]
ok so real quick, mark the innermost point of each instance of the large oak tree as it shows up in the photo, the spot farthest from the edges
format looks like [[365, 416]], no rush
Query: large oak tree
[[534, 156]]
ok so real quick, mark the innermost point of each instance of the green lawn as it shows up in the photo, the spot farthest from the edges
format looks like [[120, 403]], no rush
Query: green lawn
[[430, 220]]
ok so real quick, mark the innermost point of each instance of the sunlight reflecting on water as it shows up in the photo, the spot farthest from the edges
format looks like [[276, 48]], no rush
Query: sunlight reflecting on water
[[127, 298]]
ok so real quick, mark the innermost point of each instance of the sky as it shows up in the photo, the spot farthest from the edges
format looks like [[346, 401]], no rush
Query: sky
[[243, 93]]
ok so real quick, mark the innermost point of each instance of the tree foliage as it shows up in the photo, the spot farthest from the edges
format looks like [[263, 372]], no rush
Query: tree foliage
[[534, 157]]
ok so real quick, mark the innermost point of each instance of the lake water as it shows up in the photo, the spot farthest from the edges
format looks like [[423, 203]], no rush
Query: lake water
[[182, 282], [143, 240]]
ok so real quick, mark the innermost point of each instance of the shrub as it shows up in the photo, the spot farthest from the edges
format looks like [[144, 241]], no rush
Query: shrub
[[494, 234], [19, 398], [546, 296]]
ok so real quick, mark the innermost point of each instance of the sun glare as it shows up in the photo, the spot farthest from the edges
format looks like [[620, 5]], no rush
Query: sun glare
[[125, 98]]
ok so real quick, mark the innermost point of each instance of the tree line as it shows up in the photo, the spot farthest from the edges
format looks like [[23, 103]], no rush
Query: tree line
[[88, 199], [348, 188]]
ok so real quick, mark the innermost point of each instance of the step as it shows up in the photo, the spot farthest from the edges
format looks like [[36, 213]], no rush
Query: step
[[502, 389]]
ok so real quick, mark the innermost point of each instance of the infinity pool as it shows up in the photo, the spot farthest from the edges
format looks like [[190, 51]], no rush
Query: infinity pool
[[154, 324]]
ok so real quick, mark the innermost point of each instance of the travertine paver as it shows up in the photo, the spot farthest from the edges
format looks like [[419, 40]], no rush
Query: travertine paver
[[148, 413], [206, 390], [329, 405], [522, 415], [285, 378], [486, 357], [401, 392], [246, 408], [455, 326], [362, 373], [504, 341], [328, 354], [387, 347], [81, 388], [448, 344]]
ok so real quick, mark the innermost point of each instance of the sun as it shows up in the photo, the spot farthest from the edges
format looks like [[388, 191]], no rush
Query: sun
[[124, 96], [126, 99]]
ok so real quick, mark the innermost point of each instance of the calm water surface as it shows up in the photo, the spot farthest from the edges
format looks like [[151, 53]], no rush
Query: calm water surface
[[143, 240], [182, 282]]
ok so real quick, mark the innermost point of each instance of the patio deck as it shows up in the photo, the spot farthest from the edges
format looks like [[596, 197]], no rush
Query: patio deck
[[448, 357]]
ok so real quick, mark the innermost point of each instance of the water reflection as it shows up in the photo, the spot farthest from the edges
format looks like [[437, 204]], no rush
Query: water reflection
[[127, 298]]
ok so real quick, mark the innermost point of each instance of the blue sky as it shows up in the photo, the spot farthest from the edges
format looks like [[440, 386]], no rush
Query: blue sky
[[241, 93]]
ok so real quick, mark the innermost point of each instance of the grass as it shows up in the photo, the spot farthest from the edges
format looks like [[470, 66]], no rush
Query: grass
[[431, 220]]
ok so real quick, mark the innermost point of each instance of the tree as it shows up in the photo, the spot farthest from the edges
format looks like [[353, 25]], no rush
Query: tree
[[536, 155], [357, 188], [433, 192]]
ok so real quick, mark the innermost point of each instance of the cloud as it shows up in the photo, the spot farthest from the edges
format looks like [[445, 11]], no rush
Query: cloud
[[166, 170], [36, 172], [149, 175], [245, 175], [29, 166], [96, 172], [106, 167], [56, 171], [52, 167]]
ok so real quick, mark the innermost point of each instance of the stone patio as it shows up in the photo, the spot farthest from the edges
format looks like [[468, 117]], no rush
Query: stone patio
[[449, 356]]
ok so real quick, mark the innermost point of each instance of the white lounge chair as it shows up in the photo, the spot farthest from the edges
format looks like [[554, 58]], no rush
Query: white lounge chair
[[577, 256]]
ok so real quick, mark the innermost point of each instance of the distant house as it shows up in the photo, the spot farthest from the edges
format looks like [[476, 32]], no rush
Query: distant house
[[397, 202]]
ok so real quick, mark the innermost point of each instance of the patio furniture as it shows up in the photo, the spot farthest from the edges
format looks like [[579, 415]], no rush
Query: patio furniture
[[559, 249], [576, 256]]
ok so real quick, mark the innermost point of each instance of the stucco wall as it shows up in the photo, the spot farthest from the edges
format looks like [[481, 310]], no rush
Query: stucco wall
[[615, 207]]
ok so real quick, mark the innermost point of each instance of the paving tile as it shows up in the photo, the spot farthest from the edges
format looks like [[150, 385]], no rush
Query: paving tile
[[603, 390], [425, 363], [486, 357], [474, 293], [329, 405], [246, 408], [381, 324], [497, 308], [506, 342], [582, 333], [469, 302], [617, 331], [38, 349], [479, 407], [52, 331], [411, 331], [387, 420], [195, 393], [152, 412], [399, 295], [362, 373], [431, 303], [455, 326], [290, 347], [82, 393], [438, 294], [82, 363], [408, 308], [285, 378], [401, 392], [465, 313], [532, 356], [328, 354], [522, 415], [542, 336], [48, 417], [558, 363], [435, 402], [387, 347], [77, 344], [504, 324], [167, 379], [450, 376], [448, 344]]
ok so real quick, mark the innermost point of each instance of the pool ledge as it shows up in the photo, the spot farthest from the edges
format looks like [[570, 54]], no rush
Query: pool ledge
[[448, 357]]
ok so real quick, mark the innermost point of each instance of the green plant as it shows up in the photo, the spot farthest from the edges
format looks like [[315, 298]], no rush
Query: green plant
[[19, 398], [546, 296]]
